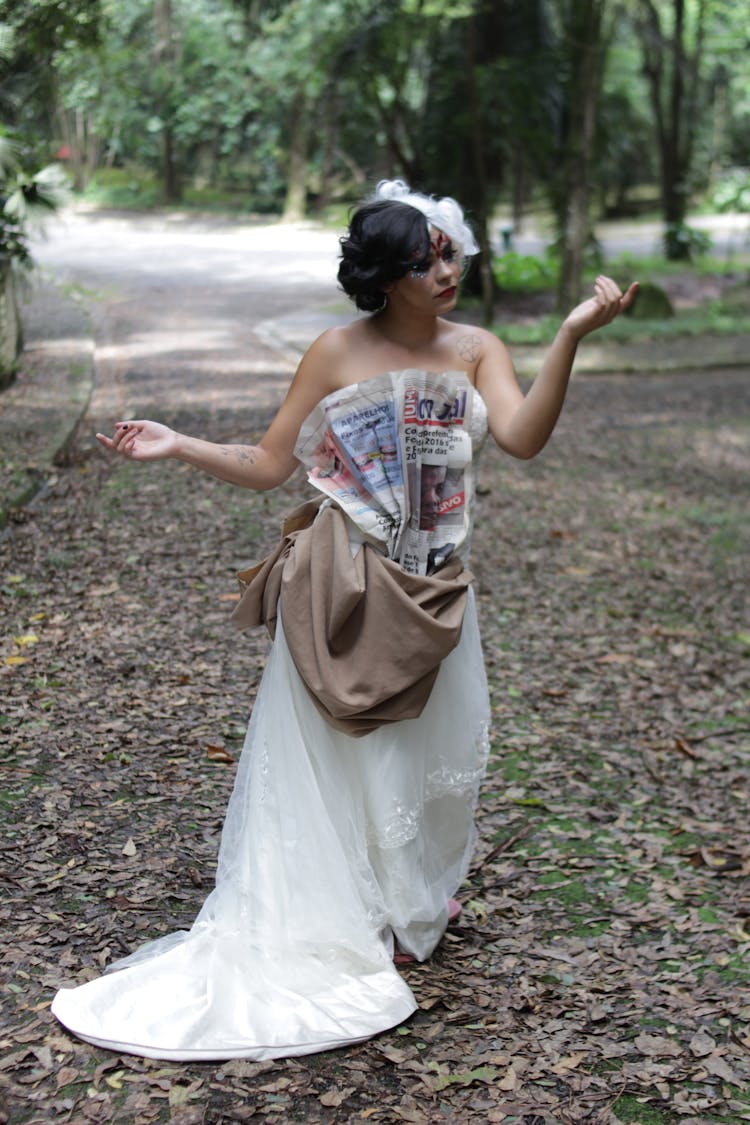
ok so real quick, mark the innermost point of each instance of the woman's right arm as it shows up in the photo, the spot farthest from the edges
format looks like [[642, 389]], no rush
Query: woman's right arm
[[262, 466], [250, 466]]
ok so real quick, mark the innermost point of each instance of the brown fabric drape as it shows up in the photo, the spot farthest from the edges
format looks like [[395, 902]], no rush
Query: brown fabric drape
[[366, 637]]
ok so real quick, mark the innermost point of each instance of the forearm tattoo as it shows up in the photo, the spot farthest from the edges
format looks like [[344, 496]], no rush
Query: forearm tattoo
[[468, 347], [242, 453]]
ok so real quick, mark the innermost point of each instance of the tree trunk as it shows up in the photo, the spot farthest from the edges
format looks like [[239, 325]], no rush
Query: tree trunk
[[520, 188], [673, 75], [170, 173], [399, 157], [295, 204], [584, 53], [10, 326], [166, 57], [332, 110], [481, 197]]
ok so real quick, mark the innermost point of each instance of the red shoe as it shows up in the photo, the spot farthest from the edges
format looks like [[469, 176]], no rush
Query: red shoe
[[454, 912]]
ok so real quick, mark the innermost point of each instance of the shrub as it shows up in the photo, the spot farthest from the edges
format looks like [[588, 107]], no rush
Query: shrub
[[524, 273], [24, 197], [732, 192], [683, 243]]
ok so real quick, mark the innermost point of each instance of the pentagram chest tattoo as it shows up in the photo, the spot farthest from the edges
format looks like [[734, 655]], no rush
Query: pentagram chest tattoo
[[468, 347]]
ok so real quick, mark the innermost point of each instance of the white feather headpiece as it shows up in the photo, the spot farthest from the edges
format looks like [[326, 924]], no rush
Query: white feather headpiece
[[445, 214]]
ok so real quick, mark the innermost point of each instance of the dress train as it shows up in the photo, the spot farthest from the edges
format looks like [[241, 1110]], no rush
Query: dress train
[[332, 848]]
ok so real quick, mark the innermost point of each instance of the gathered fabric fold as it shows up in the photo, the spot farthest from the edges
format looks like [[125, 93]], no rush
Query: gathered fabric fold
[[366, 637]]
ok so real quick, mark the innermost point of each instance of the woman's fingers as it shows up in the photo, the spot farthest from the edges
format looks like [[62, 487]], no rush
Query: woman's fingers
[[140, 440], [601, 309], [611, 297], [123, 439], [627, 300], [608, 292], [124, 432]]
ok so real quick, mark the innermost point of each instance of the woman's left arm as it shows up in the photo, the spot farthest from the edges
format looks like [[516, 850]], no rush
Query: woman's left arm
[[522, 425]]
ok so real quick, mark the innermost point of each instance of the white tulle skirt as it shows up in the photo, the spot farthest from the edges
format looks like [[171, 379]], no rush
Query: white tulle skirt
[[332, 848]]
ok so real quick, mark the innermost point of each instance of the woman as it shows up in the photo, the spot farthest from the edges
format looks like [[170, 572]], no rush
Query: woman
[[350, 825]]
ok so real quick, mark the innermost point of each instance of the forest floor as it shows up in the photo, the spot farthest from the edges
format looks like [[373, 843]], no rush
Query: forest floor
[[599, 972]]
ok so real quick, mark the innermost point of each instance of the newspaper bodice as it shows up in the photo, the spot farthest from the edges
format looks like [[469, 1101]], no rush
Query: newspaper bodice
[[397, 454]]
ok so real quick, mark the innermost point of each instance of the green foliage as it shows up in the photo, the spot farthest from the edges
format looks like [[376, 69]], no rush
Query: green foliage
[[45, 26], [714, 319], [25, 196], [457, 96], [34, 33], [651, 303], [685, 243], [137, 188], [123, 187], [732, 192], [624, 152], [633, 1111], [525, 273]]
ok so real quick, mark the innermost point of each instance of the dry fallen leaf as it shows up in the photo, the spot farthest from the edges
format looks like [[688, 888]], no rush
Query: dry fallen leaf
[[465, 1077], [509, 1081], [702, 1043], [569, 1062], [336, 1097], [684, 747], [717, 1065], [65, 1075], [656, 1046], [218, 754], [593, 860]]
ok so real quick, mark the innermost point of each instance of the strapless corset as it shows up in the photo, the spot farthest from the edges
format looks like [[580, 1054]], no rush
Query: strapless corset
[[397, 454]]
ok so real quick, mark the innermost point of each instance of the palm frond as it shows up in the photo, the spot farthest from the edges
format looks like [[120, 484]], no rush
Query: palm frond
[[8, 154], [52, 187], [31, 198], [15, 205], [6, 43]]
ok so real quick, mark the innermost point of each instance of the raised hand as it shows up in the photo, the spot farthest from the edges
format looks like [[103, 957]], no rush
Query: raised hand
[[607, 303], [141, 441]]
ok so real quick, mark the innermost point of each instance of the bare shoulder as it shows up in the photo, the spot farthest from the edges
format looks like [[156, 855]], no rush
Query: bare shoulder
[[474, 344], [332, 344], [326, 358]]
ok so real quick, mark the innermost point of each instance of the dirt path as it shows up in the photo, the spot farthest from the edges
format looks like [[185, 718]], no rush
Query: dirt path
[[179, 307], [599, 973]]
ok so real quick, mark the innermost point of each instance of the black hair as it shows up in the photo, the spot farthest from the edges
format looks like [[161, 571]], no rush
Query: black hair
[[384, 239]]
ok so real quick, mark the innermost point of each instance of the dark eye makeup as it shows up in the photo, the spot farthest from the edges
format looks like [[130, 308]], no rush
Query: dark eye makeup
[[423, 266]]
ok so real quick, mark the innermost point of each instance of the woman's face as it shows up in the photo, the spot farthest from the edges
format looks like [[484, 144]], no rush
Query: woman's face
[[431, 486], [431, 283]]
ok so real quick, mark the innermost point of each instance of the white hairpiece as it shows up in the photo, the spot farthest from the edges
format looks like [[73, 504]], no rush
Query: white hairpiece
[[445, 214]]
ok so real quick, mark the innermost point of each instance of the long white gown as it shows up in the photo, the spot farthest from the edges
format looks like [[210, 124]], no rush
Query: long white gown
[[332, 848]]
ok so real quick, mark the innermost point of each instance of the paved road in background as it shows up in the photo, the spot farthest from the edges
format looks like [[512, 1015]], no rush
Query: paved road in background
[[206, 315], [183, 309], [729, 235]]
